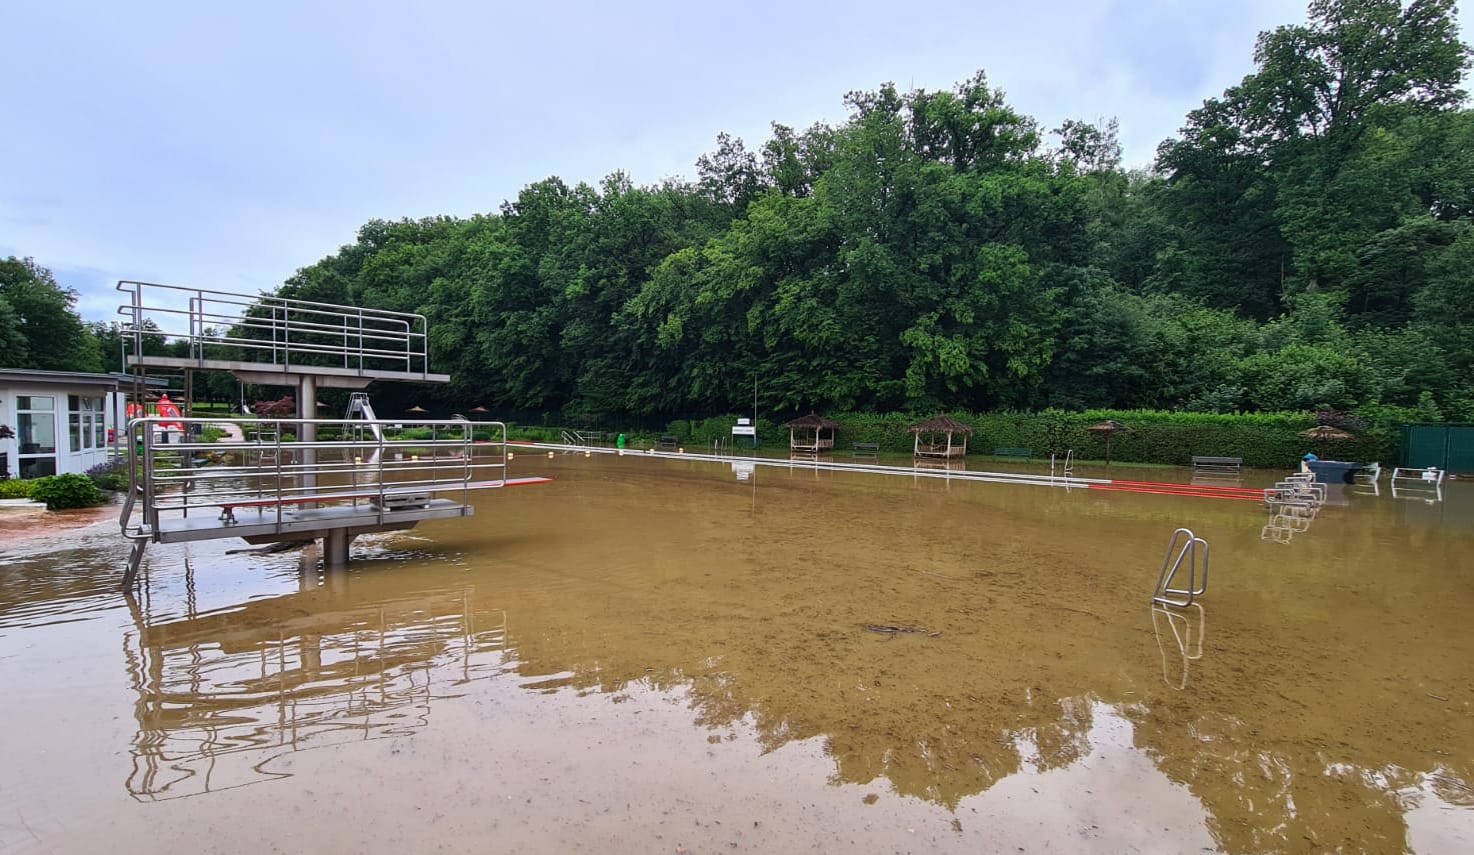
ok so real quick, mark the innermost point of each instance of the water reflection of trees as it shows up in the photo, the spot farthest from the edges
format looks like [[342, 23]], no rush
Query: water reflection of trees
[[221, 695], [1260, 753], [1255, 732]]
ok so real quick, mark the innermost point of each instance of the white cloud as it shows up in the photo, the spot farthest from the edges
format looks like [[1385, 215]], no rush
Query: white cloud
[[227, 146]]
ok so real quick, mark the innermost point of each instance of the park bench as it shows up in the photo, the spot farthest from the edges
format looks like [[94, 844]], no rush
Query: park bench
[[666, 443], [866, 449], [1218, 465], [1012, 453]]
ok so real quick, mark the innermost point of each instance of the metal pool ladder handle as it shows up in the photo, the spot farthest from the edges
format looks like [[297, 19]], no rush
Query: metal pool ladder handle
[[1187, 648], [1184, 545]]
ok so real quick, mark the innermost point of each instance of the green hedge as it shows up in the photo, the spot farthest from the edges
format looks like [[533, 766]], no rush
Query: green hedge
[[1263, 440]]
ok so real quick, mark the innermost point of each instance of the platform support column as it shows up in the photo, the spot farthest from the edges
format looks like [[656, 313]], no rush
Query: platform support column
[[335, 548], [307, 432]]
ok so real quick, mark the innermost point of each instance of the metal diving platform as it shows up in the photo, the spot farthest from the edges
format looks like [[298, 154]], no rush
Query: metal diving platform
[[270, 340], [348, 481]]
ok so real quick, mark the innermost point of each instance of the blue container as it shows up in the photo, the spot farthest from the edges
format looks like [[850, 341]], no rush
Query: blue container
[[1333, 471]]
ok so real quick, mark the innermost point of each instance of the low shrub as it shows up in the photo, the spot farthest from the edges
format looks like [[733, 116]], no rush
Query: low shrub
[[109, 476], [61, 492], [15, 489]]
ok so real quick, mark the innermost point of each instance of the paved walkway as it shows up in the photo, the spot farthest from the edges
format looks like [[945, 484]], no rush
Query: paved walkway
[[232, 432]]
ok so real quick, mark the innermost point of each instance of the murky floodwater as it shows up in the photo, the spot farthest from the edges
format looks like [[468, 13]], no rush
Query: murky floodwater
[[655, 656]]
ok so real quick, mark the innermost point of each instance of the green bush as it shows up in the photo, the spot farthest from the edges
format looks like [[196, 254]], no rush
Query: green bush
[[529, 433], [60, 492], [15, 489], [109, 476]]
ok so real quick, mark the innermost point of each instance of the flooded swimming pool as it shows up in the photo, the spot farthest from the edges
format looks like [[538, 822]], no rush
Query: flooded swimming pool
[[669, 656]]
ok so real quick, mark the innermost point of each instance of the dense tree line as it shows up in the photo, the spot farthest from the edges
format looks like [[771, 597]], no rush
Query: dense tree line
[[1304, 242], [39, 327]]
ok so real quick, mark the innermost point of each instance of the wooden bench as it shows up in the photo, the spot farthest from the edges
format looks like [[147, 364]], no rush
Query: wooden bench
[[1012, 453], [666, 443], [866, 449], [1218, 465]]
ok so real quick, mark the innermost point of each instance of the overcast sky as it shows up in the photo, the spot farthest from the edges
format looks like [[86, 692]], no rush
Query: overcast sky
[[227, 145]]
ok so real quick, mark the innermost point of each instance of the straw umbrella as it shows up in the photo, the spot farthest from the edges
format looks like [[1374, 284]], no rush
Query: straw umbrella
[[1324, 434], [1109, 427]]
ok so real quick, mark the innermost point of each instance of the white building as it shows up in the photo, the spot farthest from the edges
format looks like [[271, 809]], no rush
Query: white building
[[63, 421]]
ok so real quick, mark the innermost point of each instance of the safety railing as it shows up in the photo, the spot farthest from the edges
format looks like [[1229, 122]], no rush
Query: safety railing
[[1189, 644], [1292, 503], [173, 474], [1184, 551], [583, 438], [1069, 463], [266, 329]]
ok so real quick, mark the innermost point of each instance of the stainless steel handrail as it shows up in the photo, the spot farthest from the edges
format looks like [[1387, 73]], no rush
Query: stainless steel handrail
[[383, 470], [291, 331], [1186, 546]]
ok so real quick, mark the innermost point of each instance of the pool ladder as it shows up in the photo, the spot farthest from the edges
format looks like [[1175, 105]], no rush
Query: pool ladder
[[1069, 469], [1182, 551]]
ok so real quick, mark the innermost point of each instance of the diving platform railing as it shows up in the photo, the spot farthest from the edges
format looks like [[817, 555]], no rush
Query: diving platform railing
[[266, 333], [346, 482]]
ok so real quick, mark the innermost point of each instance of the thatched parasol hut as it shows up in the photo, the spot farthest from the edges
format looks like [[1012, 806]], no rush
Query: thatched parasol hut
[[1324, 434], [812, 433], [1108, 429], [938, 434]]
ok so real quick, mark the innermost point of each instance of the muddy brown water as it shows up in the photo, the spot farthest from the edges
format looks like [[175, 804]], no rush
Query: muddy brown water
[[657, 656]]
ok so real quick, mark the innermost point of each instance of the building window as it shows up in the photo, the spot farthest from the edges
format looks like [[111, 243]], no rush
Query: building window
[[85, 422], [36, 433], [36, 467]]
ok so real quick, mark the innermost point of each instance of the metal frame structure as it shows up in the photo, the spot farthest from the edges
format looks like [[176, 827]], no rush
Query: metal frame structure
[[334, 489], [1189, 649], [1293, 503], [1410, 483], [1186, 545], [264, 332]]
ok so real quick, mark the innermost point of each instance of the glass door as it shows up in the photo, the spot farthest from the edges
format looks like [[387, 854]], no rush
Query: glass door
[[35, 435]]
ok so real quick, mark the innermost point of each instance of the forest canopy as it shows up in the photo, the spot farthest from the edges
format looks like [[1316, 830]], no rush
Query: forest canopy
[[1304, 242]]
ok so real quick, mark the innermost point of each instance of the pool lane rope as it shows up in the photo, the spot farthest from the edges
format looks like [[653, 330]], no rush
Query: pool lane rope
[[1160, 488]]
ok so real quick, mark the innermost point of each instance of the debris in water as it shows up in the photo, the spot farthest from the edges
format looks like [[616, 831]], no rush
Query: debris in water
[[892, 631]]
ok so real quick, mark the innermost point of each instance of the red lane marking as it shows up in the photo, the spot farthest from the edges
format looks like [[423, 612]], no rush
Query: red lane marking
[[1199, 487], [1255, 498]]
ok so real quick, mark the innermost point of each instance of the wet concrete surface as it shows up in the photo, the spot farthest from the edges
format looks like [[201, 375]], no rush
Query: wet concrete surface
[[655, 656]]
